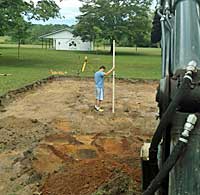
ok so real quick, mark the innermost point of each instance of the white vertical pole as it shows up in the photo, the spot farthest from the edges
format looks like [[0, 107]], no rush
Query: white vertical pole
[[113, 98]]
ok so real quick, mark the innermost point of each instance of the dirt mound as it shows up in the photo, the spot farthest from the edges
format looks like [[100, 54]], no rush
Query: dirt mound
[[95, 176], [21, 132]]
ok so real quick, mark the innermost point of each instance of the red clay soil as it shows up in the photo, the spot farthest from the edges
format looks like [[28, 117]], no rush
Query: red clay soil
[[73, 150], [98, 161], [82, 178]]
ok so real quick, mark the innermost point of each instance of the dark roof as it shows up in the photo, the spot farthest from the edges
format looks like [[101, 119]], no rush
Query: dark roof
[[54, 32]]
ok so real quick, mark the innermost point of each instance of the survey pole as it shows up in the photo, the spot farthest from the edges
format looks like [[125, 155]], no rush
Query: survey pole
[[113, 98]]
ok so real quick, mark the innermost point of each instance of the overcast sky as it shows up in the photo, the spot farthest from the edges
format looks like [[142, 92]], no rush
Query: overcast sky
[[69, 10]]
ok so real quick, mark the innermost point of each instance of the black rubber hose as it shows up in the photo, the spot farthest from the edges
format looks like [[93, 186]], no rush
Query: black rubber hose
[[166, 168], [168, 115], [164, 123], [156, 29]]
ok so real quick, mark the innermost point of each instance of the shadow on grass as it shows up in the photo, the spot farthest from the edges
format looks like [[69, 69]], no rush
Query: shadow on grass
[[118, 53]]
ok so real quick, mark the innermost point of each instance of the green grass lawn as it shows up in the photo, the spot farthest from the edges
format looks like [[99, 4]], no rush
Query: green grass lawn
[[35, 64]]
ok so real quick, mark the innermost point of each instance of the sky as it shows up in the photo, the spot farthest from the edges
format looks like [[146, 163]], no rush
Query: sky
[[69, 10]]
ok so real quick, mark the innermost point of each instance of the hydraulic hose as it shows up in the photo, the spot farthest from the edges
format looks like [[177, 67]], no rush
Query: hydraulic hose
[[156, 29], [173, 158], [167, 60], [168, 115], [168, 22], [162, 21]]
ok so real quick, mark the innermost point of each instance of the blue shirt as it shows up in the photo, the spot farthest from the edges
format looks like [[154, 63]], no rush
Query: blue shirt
[[99, 79]]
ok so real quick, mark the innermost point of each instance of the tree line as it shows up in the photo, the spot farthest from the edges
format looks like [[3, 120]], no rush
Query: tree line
[[121, 20], [100, 21], [34, 31]]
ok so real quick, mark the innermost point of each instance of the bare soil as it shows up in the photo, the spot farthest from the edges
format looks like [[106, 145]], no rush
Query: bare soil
[[53, 142]]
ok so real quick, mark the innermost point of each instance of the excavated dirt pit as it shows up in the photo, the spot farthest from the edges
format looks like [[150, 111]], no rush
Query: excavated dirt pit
[[53, 142]]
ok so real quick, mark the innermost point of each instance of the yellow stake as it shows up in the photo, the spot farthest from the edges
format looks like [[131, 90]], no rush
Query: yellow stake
[[85, 63]]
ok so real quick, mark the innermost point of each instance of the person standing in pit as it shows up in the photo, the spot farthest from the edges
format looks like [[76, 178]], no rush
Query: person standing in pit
[[99, 84]]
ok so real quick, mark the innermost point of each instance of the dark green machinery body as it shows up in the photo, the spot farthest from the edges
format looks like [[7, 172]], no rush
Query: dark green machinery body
[[177, 26], [184, 177]]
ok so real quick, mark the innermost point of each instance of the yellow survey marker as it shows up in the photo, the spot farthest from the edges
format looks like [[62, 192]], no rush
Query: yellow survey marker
[[84, 64]]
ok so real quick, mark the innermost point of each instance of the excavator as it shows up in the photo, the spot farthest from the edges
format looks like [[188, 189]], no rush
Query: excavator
[[171, 162]]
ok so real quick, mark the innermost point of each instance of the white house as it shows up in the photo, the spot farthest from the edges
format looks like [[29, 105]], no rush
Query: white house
[[65, 40]]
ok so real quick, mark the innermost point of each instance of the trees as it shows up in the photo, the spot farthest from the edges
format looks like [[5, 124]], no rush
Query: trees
[[113, 19], [13, 11], [20, 32], [37, 30], [14, 15]]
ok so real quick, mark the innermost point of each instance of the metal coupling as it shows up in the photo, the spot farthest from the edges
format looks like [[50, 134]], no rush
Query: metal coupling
[[188, 127], [167, 6], [158, 6], [190, 70], [192, 67]]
